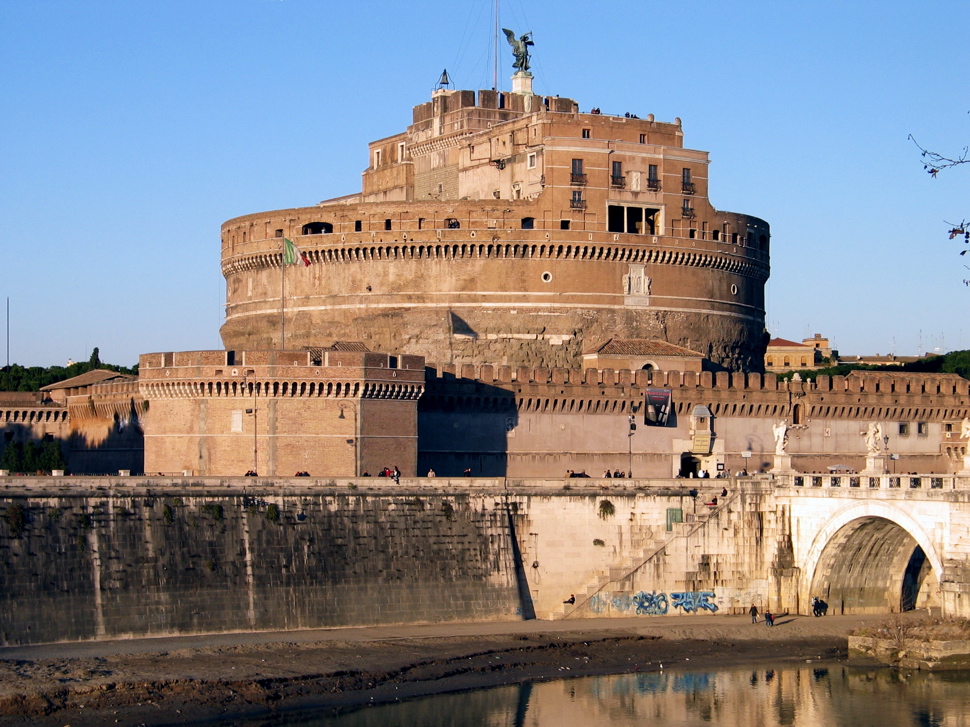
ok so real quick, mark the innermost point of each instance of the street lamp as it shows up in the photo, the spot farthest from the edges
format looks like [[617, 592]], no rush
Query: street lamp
[[253, 410], [629, 441]]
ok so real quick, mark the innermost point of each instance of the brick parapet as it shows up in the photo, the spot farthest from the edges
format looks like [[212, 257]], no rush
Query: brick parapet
[[904, 396], [275, 374]]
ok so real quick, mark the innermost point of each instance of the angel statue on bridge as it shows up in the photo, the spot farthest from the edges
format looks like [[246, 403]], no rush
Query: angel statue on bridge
[[873, 437], [520, 49], [780, 430]]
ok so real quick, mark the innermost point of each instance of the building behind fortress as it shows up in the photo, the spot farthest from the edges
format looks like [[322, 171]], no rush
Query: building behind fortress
[[519, 289]]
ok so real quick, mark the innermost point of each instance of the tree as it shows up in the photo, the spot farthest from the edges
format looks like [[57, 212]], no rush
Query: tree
[[934, 163], [95, 360]]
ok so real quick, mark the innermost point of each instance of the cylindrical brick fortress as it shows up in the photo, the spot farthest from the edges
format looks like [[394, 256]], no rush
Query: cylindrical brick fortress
[[512, 230]]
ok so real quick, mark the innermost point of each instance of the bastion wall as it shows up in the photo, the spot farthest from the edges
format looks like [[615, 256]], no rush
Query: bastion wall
[[116, 557], [463, 282]]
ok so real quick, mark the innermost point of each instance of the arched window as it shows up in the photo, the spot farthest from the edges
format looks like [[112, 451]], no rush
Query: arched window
[[317, 228]]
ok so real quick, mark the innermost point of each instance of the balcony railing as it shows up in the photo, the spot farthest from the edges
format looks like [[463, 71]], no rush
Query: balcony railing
[[688, 187], [577, 178], [687, 213], [653, 185], [577, 204], [618, 182]]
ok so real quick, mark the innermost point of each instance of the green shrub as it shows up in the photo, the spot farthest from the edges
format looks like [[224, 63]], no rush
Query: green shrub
[[16, 519], [606, 509], [273, 513]]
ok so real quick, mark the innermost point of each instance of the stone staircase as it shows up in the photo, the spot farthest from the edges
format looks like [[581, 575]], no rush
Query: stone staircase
[[628, 566]]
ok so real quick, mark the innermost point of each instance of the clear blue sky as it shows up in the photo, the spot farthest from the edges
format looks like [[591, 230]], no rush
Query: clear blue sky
[[131, 130]]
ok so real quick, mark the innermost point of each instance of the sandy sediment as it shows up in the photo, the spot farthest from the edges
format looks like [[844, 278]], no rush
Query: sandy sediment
[[191, 679]]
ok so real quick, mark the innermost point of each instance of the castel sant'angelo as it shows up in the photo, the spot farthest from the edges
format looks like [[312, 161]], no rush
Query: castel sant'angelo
[[510, 229], [519, 289]]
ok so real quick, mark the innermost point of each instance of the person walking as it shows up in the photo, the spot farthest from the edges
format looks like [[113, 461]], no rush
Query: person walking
[[769, 618], [753, 611]]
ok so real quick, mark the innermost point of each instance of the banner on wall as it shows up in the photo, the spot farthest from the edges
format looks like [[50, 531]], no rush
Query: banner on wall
[[656, 407]]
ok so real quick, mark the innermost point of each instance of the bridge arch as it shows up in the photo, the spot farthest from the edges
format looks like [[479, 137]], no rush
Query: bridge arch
[[872, 558]]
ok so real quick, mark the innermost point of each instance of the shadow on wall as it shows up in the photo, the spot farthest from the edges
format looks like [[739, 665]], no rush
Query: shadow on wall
[[97, 448], [459, 327], [463, 428]]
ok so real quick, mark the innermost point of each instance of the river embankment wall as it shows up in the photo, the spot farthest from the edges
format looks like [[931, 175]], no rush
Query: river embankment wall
[[110, 557]]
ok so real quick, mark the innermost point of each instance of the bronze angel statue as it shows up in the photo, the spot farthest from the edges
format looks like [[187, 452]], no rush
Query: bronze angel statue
[[520, 49]]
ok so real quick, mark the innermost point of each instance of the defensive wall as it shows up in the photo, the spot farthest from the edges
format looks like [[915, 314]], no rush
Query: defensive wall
[[528, 422], [87, 558], [454, 283]]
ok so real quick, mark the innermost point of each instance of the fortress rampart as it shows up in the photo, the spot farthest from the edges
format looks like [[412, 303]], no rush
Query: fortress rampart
[[527, 422], [280, 412], [865, 395], [121, 557]]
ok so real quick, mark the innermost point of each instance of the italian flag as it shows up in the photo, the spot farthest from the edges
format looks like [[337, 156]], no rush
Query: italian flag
[[291, 252]]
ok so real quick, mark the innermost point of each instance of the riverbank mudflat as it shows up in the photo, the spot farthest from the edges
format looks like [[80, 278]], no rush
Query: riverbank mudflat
[[213, 678]]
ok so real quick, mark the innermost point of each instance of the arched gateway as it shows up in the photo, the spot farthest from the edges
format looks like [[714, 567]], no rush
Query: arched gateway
[[872, 558]]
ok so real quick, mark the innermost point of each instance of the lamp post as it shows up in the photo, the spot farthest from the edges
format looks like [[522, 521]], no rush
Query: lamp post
[[629, 441], [253, 410], [352, 406]]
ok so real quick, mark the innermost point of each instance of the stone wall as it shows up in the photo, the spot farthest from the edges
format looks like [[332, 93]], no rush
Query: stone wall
[[110, 557], [132, 559], [540, 422], [115, 557]]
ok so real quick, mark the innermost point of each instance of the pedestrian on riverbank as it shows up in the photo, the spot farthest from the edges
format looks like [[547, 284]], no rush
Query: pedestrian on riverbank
[[753, 611], [769, 618]]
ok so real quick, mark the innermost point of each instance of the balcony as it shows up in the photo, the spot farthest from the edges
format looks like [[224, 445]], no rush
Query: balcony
[[688, 187], [687, 213], [577, 178], [617, 182], [653, 185], [577, 204]]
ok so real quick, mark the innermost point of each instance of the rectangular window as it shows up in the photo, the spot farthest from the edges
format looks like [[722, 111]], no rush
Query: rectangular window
[[357, 225], [576, 175], [377, 158], [401, 150], [577, 202], [616, 175], [922, 428], [653, 178], [279, 233], [563, 224], [904, 429], [643, 138], [387, 224], [687, 186], [531, 164], [585, 133]]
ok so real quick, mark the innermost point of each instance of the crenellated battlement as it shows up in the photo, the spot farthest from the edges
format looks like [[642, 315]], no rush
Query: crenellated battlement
[[860, 395]]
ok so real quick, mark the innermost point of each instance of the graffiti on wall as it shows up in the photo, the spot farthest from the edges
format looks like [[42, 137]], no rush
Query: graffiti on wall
[[643, 603]]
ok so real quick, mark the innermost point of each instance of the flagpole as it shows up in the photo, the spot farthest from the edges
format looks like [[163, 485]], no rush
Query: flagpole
[[283, 296]]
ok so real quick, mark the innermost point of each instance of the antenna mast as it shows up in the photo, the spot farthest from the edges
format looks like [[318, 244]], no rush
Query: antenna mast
[[495, 49]]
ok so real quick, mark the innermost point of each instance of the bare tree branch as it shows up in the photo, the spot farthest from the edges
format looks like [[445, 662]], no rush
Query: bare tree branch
[[934, 162]]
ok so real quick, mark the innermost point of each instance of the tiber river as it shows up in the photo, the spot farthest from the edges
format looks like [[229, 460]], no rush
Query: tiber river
[[810, 695]]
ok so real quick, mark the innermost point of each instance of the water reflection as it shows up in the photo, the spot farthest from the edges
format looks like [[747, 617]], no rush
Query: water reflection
[[805, 696]]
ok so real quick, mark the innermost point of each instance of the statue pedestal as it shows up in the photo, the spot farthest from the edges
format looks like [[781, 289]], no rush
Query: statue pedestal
[[782, 464], [876, 464], [522, 83]]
